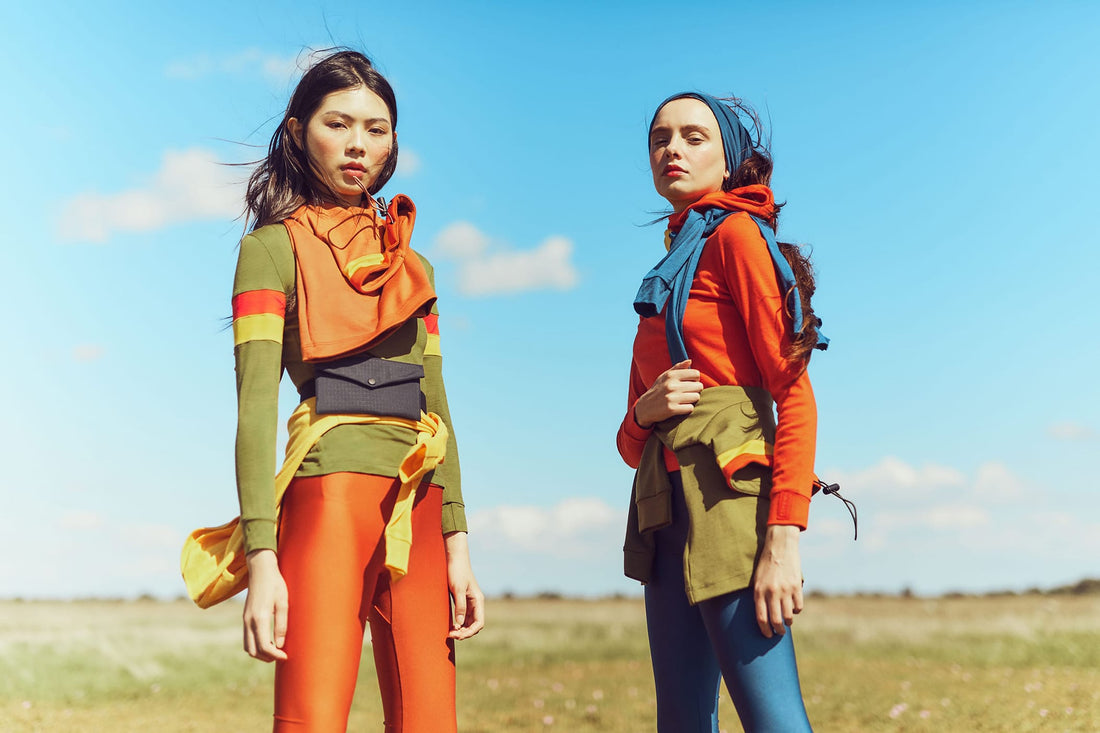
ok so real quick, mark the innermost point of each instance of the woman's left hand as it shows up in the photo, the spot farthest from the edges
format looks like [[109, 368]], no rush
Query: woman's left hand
[[777, 583], [469, 601]]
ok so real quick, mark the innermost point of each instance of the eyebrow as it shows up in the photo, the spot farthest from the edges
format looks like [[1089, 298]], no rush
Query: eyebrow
[[685, 128], [346, 116]]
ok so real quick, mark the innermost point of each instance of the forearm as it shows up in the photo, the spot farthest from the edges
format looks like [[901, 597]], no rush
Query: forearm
[[448, 474], [258, 371], [793, 458]]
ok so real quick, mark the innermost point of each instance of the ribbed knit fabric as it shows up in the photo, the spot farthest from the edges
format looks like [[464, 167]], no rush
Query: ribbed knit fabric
[[737, 333]]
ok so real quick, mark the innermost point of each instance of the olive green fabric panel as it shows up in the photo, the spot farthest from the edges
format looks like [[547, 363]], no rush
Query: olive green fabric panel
[[266, 262]]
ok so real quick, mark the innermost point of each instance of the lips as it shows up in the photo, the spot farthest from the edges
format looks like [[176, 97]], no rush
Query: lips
[[354, 169], [673, 171]]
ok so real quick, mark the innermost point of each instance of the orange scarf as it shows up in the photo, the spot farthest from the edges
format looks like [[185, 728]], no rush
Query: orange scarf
[[358, 280]]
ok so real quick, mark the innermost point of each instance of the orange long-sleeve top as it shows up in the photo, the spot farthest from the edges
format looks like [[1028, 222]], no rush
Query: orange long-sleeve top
[[737, 333]]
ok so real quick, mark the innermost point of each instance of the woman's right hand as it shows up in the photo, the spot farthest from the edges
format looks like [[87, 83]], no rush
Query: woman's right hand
[[674, 393], [265, 607]]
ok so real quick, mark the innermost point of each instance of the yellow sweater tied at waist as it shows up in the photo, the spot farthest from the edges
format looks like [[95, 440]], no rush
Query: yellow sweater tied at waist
[[213, 558]]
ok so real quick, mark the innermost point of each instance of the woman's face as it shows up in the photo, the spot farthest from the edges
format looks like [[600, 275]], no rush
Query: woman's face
[[348, 140], [685, 152]]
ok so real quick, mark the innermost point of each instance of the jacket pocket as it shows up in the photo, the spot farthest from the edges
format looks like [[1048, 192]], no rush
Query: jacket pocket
[[752, 479]]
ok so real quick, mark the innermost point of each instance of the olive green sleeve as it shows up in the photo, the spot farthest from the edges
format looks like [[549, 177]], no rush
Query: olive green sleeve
[[448, 473], [259, 368]]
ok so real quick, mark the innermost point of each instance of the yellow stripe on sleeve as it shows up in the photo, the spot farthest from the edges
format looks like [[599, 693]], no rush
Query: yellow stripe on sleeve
[[431, 347], [365, 261], [258, 327]]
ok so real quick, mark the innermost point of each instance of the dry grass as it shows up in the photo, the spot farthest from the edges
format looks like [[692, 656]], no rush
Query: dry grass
[[867, 664]]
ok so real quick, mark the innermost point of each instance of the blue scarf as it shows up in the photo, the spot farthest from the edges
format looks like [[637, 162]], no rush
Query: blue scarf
[[671, 278]]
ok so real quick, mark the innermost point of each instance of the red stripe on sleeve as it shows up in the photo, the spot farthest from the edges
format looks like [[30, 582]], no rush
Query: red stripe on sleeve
[[431, 322], [254, 302]]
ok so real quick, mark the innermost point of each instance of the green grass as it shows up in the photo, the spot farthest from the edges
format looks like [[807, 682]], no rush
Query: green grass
[[867, 664]]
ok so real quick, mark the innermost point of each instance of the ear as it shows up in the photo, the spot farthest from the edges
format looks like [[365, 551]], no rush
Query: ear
[[294, 128]]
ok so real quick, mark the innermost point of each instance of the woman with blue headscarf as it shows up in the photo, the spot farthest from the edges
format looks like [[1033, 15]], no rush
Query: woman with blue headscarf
[[723, 488]]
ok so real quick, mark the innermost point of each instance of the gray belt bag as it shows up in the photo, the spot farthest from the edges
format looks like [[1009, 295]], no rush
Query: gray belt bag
[[369, 385]]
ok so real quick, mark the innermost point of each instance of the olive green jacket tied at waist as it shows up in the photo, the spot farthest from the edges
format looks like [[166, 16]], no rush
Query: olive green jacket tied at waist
[[724, 448]]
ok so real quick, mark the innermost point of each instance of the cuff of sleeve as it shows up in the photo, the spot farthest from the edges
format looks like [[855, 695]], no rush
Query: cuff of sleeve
[[454, 517], [259, 534], [633, 430], [789, 507]]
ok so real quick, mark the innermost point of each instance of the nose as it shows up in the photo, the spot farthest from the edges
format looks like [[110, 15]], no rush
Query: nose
[[355, 142], [672, 149]]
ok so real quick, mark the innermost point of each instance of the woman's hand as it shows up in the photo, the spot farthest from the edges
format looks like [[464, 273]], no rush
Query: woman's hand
[[674, 393], [265, 607], [777, 583], [469, 601]]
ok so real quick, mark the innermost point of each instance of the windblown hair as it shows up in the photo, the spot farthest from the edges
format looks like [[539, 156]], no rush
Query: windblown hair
[[757, 169], [285, 179]]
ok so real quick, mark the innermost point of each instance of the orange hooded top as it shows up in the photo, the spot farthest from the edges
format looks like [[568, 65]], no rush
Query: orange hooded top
[[737, 332], [344, 257]]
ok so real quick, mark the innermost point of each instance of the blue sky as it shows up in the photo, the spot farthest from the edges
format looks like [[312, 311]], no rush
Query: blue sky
[[941, 161]]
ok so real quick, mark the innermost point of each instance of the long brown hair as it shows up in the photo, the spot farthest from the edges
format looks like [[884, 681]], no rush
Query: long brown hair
[[757, 169], [284, 180]]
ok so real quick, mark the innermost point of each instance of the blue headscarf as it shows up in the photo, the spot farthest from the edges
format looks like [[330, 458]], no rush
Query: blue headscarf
[[671, 278]]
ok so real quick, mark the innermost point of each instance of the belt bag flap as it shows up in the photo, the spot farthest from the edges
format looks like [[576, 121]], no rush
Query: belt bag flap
[[369, 385]]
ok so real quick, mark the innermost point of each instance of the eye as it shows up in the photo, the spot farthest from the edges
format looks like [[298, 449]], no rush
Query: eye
[[696, 139], [658, 142], [336, 125], [379, 131]]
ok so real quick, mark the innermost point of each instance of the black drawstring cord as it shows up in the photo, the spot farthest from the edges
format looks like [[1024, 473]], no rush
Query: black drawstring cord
[[834, 489]]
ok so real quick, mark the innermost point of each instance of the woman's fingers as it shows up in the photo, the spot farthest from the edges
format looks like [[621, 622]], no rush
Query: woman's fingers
[[477, 606], [249, 639], [265, 608], [280, 626], [775, 609], [762, 619], [472, 621], [459, 596]]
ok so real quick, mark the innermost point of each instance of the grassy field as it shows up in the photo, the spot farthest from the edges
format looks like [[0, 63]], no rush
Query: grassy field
[[1020, 663]]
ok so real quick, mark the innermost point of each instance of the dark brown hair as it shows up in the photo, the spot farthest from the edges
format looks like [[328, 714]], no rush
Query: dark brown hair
[[757, 169], [284, 180]]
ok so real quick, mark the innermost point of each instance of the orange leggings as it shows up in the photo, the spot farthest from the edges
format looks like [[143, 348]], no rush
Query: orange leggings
[[331, 553]]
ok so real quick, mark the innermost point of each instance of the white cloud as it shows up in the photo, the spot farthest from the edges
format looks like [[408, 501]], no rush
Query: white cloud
[[88, 352], [994, 482], [190, 185], [250, 61], [894, 478], [80, 521], [1071, 431], [408, 163], [487, 270], [461, 240], [936, 528], [572, 528]]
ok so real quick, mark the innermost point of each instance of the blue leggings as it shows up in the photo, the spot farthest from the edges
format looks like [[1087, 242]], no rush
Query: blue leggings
[[694, 647]]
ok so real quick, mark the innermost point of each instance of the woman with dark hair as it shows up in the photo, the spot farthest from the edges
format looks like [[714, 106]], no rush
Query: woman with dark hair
[[365, 521], [722, 488]]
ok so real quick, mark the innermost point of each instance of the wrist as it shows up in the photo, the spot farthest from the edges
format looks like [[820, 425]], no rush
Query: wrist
[[455, 542], [780, 538], [261, 558]]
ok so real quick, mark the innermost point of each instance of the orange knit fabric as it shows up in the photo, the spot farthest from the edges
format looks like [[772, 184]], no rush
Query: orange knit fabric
[[357, 279], [737, 333]]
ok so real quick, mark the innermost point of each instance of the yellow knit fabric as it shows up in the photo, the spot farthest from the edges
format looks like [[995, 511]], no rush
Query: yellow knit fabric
[[213, 558]]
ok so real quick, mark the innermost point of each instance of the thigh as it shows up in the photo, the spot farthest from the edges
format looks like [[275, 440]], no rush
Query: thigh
[[760, 673], [327, 531], [409, 620], [685, 670]]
